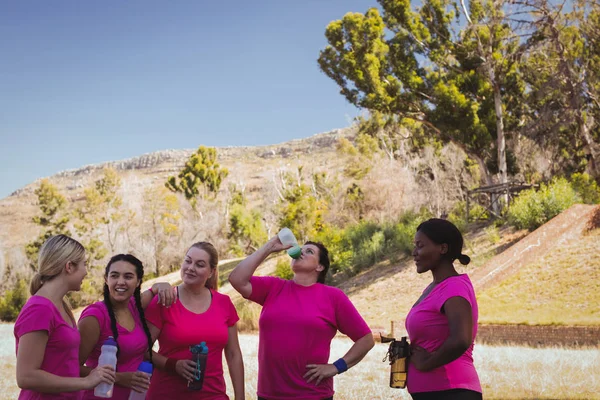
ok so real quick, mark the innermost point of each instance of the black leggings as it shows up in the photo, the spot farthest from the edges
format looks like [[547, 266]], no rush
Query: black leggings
[[451, 394], [262, 398]]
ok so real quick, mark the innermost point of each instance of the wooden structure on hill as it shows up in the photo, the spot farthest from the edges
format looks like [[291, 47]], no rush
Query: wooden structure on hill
[[489, 196]]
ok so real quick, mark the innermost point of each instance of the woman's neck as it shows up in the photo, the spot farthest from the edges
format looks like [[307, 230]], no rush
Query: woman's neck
[[194, 290], [54, 290], [119, 305], [443, 271], [305, 279]]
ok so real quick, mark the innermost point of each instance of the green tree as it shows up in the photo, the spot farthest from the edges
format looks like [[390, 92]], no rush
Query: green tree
[[418, 67], [200, 176], [246, 228], [162, 215], [53, 219]]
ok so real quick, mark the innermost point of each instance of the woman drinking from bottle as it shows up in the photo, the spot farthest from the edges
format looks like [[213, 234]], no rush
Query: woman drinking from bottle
[[121, 315], [201, 325], [47, 340], [299, 319], [442, 324]]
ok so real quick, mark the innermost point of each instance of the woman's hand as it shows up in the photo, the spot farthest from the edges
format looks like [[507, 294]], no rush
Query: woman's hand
[[274, 245], [319, 372], [165, 292], [186, 369], [103, 374], [420, 358], [137, 381]]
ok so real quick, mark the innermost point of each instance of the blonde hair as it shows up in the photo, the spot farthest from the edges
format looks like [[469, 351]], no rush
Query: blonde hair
[[55, 253], [213, 261]]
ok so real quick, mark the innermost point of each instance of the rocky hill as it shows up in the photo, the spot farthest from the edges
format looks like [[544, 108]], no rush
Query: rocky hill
[[252, 167]]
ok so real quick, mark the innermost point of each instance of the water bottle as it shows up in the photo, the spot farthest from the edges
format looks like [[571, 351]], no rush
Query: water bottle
[[397, 353], [287, 238], [108, 356], [199, 356], [146, 368]]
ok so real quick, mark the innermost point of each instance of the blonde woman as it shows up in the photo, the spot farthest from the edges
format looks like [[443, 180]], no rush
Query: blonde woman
[[47, 339]]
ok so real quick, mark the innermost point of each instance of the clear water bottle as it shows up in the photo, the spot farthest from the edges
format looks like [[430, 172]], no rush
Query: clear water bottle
[[287, 238], [145, 367], [108, 356]]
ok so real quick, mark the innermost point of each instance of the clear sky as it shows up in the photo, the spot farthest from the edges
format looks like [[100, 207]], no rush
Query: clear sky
[[83, 82]]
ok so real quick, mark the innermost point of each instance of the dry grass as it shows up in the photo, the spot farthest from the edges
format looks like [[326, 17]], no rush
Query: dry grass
[[563, 288], [505, 372]]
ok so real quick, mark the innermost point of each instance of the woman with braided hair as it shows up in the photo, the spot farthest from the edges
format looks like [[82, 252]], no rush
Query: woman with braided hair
[[121, 315]]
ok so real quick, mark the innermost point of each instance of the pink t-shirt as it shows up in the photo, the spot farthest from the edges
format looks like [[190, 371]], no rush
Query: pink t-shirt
[[296, 326], [61, 356], [179, 329], [428, 327], [132, 345]]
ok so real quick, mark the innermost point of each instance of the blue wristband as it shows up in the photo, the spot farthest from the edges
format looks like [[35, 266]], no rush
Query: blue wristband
[[341, 365]]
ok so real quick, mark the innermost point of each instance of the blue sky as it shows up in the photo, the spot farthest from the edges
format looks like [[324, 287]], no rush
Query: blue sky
[[84, 82]]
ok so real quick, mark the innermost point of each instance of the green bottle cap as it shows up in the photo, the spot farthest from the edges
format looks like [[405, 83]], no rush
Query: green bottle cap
[[295, 252]]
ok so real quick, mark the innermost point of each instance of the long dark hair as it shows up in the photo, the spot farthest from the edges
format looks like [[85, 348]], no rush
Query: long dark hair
[[139, 270]]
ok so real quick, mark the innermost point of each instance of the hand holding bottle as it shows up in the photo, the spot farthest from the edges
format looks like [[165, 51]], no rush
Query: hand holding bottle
[[186, 369], [102, 374]]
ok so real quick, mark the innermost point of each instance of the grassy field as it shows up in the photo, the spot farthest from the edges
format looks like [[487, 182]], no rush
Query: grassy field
[[505, 372], [563, 288]]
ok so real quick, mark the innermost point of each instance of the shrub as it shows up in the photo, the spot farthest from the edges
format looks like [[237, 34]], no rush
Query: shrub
[[586, 187], [283, 269], [248, 312], [532, 208], [13, 300]]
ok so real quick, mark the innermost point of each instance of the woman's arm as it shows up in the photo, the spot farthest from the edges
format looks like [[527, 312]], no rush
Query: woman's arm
[[233, 355], [241, 274], [184, 368], [166, 294], [30, 376], [460, 323], [89, 330], [357, 352]]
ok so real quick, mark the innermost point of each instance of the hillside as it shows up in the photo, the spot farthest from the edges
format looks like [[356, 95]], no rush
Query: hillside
[[255, 168]]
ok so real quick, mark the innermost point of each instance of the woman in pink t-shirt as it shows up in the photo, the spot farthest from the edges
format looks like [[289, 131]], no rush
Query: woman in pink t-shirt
[[121, 315], [201, 314], [299, 319], [46, 336], [442, 324]]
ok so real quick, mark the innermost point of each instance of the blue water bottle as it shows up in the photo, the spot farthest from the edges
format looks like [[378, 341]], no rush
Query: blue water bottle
[[145, 367], [199, 356]]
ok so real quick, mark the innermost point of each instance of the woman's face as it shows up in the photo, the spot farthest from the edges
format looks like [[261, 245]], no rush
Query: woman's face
[[196, 269], [122, 280], [78, 272], [426, 253], [309, 260]]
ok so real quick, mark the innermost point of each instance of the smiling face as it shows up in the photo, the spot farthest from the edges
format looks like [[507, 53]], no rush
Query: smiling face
[[196, 268], [427, 254], [122, 280], [309, 262]]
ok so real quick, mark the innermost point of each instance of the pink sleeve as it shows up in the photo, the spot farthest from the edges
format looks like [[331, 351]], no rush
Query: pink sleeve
[[232, 315], [34, 317], [96, 310], [454, 288], [261, 287], [153, 313], [349, 321]]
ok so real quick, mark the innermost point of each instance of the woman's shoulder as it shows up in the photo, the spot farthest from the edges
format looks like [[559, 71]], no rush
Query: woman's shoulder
[[220, 297], [97, 309]]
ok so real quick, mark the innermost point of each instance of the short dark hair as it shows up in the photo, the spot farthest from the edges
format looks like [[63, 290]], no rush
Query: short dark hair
[[442, 231], [323, 260]]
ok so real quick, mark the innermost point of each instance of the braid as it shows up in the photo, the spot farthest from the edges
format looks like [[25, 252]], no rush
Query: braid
[[138, 303], [111, 314]]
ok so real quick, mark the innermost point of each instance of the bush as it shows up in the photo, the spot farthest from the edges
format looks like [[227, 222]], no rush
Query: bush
[[586, 187], [283, 269], [248, 312], [13, 300], [532, 208]]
